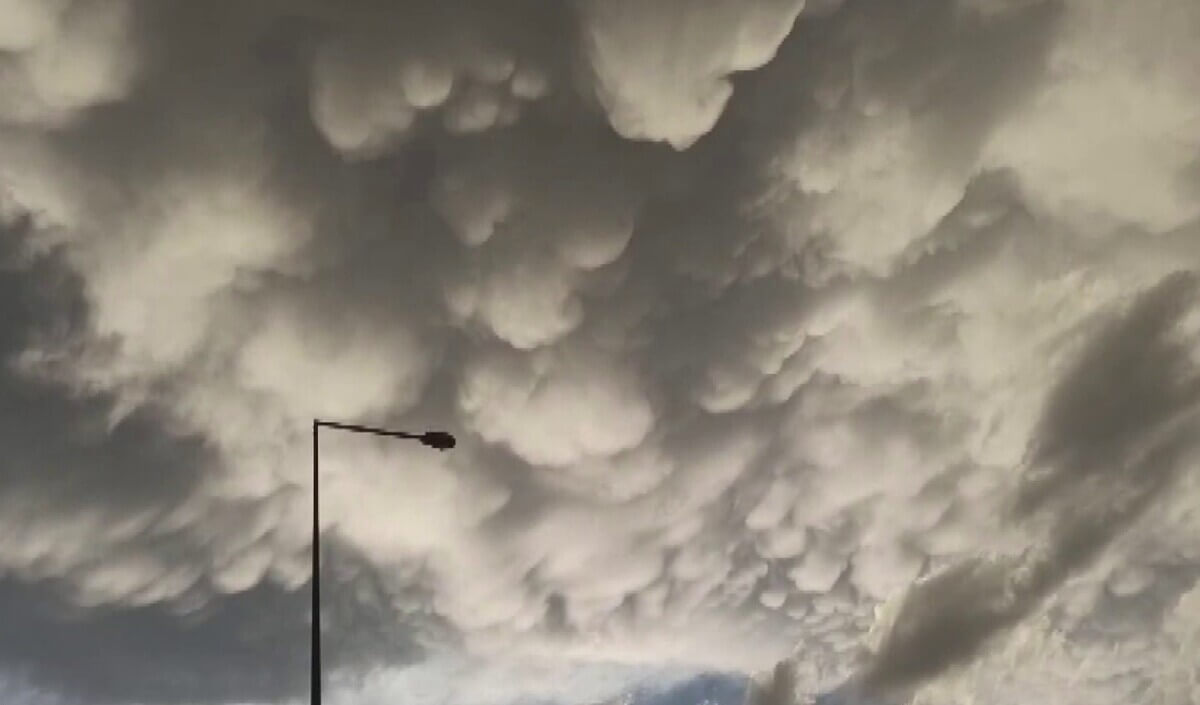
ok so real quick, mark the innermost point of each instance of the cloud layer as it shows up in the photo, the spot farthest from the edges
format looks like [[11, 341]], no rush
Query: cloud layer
[[761, 324]]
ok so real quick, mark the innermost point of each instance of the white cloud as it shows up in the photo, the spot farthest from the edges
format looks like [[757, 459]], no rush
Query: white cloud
[[1113, 129], [66, 56], [357, 119], [555, 409], [350, 367], [662, 72], [29, 22], [499, 682], [370, 88], [872, 187]]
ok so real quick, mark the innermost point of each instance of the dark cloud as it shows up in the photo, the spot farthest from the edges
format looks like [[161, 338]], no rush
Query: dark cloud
[[1135, 378], [1108, 445], [744, 313], [60, 451], [61, 457], [248, 647]]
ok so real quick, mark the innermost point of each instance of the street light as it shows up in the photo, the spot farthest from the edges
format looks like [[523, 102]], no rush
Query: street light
[[440, 440]]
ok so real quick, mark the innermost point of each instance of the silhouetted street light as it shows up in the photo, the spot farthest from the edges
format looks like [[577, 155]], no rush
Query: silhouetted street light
[[439, 440]]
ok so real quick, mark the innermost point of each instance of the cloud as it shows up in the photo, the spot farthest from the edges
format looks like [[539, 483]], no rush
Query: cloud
[[564, 415], [764, 328], [663, 73], [1108, 445], [1036, 658], [63, 57], [117, 594], [494, 683], [1102, 73], [383, 74], [1119, 451]]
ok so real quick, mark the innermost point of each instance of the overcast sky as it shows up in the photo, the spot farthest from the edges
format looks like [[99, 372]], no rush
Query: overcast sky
[[851, 345]]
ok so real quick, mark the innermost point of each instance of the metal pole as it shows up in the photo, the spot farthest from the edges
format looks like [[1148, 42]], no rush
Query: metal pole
[[439, 440], [315, 688]]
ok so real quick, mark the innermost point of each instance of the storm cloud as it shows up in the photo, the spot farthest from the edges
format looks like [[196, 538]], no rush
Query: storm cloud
[[858, 336]]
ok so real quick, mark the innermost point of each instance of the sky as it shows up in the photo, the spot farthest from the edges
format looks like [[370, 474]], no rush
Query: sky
[[851, 347]]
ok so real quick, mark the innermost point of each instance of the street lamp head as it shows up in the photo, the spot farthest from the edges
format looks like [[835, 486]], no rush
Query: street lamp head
[[438, 439]]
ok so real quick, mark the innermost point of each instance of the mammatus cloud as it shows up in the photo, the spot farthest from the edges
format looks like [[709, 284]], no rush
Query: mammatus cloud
[[1128, 438], [663, 72], [62, 57], [377, 78], [761, 324], [1108, 446]]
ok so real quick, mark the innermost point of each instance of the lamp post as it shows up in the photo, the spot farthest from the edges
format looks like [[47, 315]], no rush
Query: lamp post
[[434, 439]]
